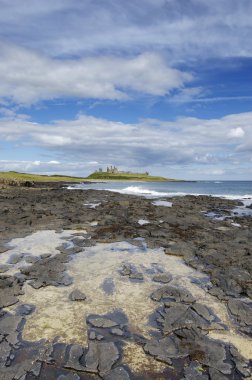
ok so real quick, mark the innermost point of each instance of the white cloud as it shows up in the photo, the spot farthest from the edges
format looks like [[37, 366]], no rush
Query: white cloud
[[186, 29], [185, 142], [236, 133], [27, 77]]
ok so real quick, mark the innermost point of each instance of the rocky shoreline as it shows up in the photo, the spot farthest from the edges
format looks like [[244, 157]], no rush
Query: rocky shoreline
[[184, 342]]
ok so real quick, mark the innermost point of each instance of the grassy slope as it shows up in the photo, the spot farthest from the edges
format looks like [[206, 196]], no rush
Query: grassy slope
[[127, 177], [38, 178], [22, 177]]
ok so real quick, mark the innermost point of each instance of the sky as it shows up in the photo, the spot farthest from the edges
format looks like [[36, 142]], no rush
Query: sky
[[157, 85]]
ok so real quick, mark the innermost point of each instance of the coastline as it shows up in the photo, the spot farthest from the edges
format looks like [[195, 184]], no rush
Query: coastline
[[217, 250]]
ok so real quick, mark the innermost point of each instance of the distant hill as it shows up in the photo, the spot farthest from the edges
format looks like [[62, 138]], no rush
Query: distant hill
[[127, 177], [12, 177]]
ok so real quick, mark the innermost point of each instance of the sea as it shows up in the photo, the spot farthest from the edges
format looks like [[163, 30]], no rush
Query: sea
[[225, 189]]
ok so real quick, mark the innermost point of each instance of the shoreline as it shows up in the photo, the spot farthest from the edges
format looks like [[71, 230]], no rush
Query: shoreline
[[217, 249]]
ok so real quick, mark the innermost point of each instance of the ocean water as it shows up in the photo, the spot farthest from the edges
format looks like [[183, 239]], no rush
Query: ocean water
[[227, 189]]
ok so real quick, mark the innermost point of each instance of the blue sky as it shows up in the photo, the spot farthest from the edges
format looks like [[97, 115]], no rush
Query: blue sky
[[157, 85]]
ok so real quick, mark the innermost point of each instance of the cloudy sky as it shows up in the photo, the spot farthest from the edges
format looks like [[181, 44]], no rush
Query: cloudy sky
[[157, 85]]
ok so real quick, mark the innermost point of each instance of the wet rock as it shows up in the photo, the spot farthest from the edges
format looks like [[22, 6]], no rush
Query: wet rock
[[36, 368], [118, 373], [92, 335], [117, 331], [242, 311], [126, 270], [206, 351], [101, 322], [77, 295], [241, 364], [32, 356], [101, 356], [214, 374], [31, 259], [45, 255], [136, 276], [162, 277], [9, 327], [131, 272], [25, 309], [172, 292], [176, 316], [48, 271], [69, 251], [4, 268], [10, 288], [15, 258], [194, 372], [75, 354], [165, 349], [69, 376]]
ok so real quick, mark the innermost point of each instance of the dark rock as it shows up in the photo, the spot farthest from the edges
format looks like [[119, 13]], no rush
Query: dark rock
[[172, 292], [69, 376], [101, 322], [45, 255], [177, 316], [214, 374], [77, 295], [92, 335], [4, 268], [241, 364], [118, 373], [15, 258], [10, 288], [48, 271], [242, 311], [25, 309], [75, 354], [31, 259], [136, 276], [165, 349], [163, 278], [194, 372], [117, 331], [101, 356], [126, 270]]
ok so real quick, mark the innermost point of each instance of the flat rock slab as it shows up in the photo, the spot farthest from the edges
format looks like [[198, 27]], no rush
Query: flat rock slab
[[70, 376], [163, 278], [242, 312], [176, 316], [172, 292], [101, 322], [118, 373], [101, 356], [77, 295], [75, 353]]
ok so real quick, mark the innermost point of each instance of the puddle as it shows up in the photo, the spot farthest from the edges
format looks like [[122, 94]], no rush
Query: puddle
[[36, 244], [162, 203], [92, 205], [97, 273], [142, 222]]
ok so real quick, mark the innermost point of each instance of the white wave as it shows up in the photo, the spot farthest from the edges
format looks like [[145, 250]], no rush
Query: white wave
[[135, 190]]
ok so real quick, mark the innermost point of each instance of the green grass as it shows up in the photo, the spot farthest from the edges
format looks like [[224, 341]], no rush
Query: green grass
[[21, 177], [127, 177], [15, 178]]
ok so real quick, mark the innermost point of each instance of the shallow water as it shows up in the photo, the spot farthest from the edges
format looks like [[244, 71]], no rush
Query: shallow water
[[56, 315]]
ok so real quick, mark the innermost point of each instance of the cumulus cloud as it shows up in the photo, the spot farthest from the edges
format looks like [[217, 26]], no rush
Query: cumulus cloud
[[186, 29], [27, 77], [186, 142], [47, 167]]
